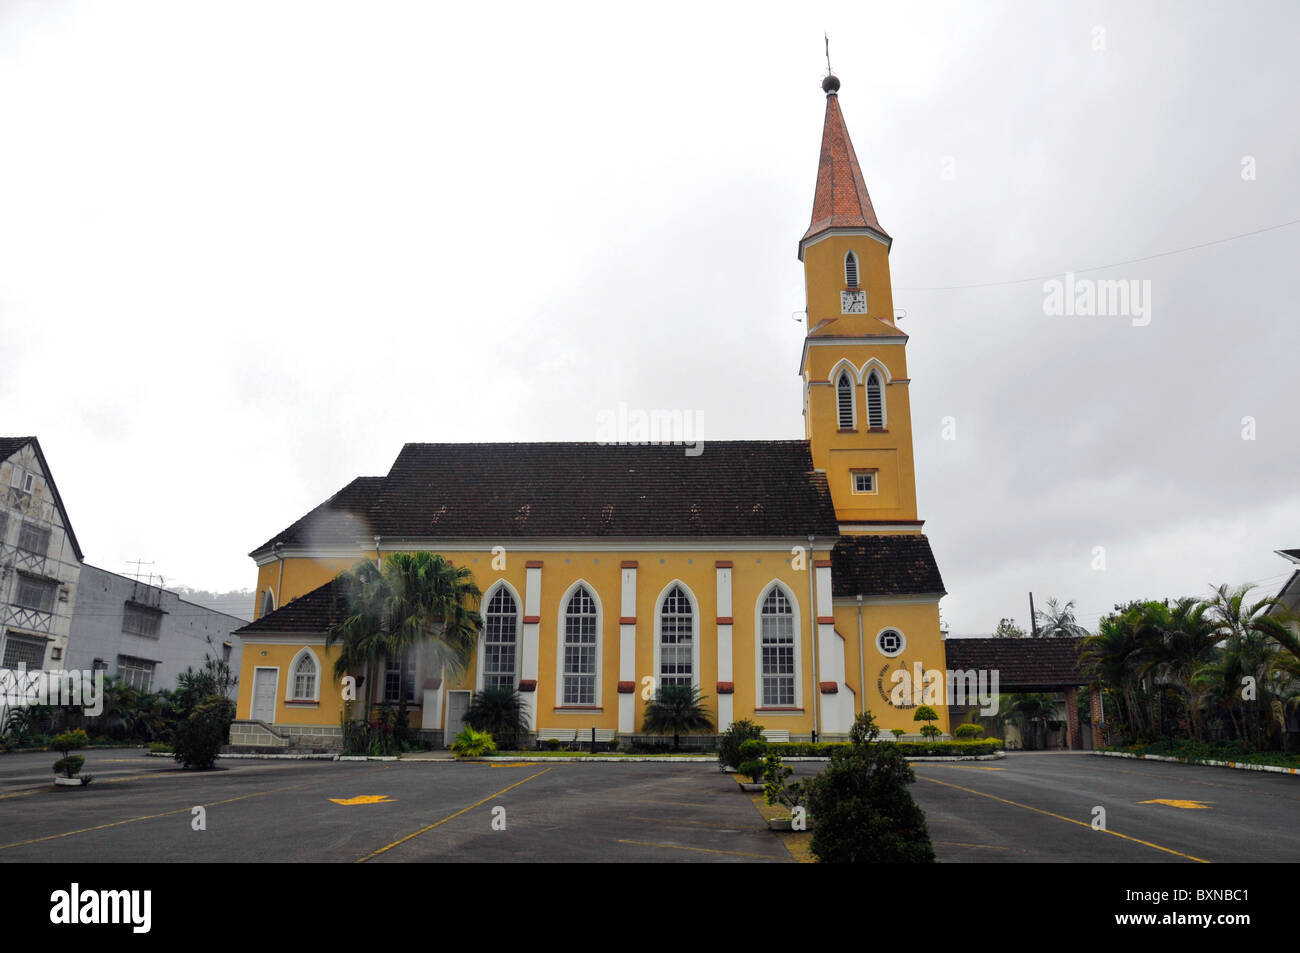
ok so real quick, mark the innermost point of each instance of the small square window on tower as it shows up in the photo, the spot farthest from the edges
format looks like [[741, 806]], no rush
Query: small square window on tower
[[864, 481]]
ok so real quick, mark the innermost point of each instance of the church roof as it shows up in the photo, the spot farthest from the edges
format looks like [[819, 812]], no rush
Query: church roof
[[1024, 664], [312, 612], [841, 199], [500, 491], [884, 566]]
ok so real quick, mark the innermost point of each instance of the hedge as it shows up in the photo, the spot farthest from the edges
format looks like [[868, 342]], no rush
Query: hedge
[[910, 749]]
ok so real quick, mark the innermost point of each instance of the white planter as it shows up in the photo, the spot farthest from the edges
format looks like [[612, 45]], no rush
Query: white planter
[[68, 782]]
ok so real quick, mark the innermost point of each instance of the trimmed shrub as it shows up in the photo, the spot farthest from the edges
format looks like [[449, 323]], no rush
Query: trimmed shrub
[[968, 731], [753, 764], [729, 742], [69, 765], [200, 736], [863, 810]]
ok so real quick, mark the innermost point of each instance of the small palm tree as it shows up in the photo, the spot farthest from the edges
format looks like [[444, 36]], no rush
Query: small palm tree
[[501, 713], [677, 708], [1058, 621]]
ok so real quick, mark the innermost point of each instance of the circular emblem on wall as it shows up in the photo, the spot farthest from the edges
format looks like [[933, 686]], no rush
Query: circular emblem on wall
[[890, 643]]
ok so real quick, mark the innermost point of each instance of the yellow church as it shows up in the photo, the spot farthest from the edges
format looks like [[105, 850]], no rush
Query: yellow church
[[785, 579]]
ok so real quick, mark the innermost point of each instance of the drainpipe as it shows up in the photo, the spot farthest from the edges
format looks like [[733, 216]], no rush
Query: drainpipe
[[812, 617], [862, 662], [379, 560]]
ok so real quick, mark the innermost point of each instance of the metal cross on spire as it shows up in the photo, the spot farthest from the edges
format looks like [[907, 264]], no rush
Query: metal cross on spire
[[827, 37]]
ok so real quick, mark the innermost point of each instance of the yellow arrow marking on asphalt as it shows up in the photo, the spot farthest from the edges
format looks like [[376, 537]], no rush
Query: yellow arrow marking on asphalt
[[363, 799], [1174, 802]]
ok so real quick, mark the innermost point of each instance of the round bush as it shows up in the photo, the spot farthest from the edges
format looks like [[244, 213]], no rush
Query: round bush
[[200, 736], [967, 731]]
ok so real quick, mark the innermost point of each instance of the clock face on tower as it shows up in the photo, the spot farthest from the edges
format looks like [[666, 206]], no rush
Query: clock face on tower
[[853, 302]]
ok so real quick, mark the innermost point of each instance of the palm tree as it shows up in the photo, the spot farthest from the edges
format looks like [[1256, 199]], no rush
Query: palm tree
[[1256, 638], [1058, 621], [417, 600], [1029, 708], [501, 713], [677, 708]]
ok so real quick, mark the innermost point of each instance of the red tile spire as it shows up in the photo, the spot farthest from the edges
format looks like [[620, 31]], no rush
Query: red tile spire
[[841, 200]]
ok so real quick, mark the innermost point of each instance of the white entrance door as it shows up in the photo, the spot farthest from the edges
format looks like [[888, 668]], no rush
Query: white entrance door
[[264, 682], [457, 705]]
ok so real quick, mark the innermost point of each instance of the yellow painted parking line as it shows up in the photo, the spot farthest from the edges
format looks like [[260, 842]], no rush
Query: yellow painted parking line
[[646, 800], [363, 799], [1062, 817], [514, 764], [449, 817], [149, 817], [48, 789], [702, 850], [1174, 802], [964, 767]]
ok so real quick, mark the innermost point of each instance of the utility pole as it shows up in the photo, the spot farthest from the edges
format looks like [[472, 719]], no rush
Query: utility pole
[[1033, 618]]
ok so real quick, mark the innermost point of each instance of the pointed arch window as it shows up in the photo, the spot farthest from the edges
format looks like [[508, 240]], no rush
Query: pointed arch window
[[844, 400], [875, 402], [304, 677], [500, 640], [776, 640], [580, 649], [268, 603], [676, 639], [851, 270]]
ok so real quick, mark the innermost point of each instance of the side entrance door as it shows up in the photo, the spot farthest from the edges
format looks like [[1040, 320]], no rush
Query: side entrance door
[[457, 705], [264, 683]]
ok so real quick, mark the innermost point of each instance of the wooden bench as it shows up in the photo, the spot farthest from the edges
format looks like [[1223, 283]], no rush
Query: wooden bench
[[579, 735]]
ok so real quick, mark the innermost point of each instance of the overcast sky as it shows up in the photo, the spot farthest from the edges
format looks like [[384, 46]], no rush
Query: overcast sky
[[247, 250]]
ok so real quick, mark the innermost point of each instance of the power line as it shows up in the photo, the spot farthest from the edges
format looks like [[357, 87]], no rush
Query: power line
[[1113, 264]]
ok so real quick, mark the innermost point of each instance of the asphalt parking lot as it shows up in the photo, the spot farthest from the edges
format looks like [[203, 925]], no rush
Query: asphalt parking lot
[[1026, 807], [141, 809]]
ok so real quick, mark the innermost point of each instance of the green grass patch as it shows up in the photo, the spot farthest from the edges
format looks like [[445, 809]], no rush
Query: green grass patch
[[1233, 751]]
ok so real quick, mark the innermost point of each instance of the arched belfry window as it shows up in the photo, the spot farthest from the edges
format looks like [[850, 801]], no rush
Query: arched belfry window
[[851, 270], [875, 402], [844, 399], [268, 604], [500, 640], [676, 639]]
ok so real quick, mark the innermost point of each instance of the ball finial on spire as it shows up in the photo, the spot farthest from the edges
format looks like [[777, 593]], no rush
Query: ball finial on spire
[[831, 83]]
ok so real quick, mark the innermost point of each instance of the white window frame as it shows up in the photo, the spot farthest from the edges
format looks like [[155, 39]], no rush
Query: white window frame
[[856, 282], [695, 632], [268, 603], [559, 643], [796, 614], [413, 670], [136, 664], [902, 639], [291, 686], [875, 482], [480, 666]]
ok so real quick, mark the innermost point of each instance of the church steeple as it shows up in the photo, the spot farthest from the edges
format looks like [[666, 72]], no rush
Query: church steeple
[[841, 199], [858, 417]]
